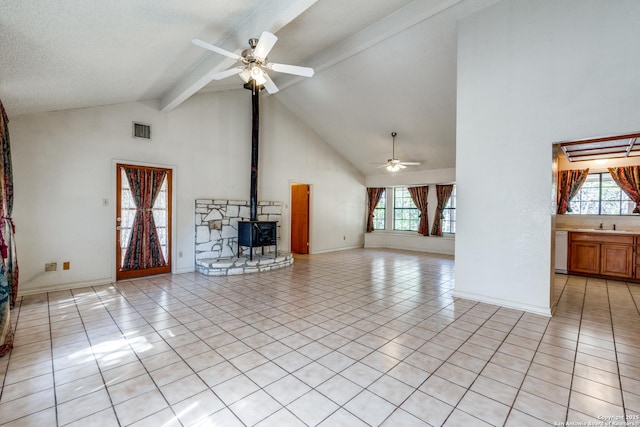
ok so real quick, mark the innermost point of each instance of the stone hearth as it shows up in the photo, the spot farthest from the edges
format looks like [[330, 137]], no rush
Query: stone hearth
[[216, 238], [242, 265]]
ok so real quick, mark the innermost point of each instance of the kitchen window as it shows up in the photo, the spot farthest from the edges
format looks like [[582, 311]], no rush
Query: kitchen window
[[600, 195]]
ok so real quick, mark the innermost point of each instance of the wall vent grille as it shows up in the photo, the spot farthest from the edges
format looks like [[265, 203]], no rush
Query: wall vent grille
[[141, 130]]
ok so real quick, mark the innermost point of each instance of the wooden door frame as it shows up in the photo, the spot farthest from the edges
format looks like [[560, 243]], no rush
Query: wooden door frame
[[291, 184], [112, 211]]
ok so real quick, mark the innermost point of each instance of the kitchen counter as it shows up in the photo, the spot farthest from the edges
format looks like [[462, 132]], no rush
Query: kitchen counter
[[598, 230]]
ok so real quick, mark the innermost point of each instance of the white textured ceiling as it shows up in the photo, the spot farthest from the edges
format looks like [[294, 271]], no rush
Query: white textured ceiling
[[381, 65]]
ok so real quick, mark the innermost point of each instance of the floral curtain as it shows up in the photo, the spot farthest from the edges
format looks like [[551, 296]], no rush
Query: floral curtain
[[443, 193], [144, 249], [628, 179], [419, 197], [373, 195], [569, 183], [9, 266]]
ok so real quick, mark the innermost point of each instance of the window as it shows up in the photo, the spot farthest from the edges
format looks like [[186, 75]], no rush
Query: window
[[379, 212], [449, 214], [600, 195], [406, 217]]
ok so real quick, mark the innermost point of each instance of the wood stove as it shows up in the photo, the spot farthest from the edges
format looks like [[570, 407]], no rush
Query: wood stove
[[257, 234]]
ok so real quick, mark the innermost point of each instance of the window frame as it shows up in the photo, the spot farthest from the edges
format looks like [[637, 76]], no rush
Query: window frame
[[381, 206], [452, 212], [413, 211], [577, 202]]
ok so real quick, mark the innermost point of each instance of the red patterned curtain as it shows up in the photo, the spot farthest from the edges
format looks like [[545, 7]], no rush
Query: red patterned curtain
[[628, 179], [443, 192], [569, 183], [419, 197], [144, 246], [373, 194], [9, 264]]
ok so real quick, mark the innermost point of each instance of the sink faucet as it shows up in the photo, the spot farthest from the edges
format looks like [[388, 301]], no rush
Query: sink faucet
[[600, 226], [614, 226]]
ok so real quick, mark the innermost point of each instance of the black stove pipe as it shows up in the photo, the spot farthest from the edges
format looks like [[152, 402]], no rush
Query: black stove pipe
[[253, 193]]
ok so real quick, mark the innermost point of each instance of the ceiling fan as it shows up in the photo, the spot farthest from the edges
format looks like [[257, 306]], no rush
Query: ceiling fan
[[393, 164], [254, 62]]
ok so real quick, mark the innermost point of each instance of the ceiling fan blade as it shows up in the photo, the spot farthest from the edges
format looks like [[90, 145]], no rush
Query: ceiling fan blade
[[265, 44], [383, 166], [226, 73], [292, 69], [215, 49], [269, 85], [401, 166], [410, 163]]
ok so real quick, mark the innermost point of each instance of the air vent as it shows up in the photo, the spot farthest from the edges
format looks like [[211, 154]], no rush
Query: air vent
[[141, 130]]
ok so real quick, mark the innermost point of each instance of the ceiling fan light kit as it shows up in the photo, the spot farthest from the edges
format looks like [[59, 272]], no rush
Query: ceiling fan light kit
[[394, 165], [254, 62]]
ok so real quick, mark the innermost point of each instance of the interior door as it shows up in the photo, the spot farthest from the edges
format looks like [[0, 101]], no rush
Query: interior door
[[300, 218], [143, 221]]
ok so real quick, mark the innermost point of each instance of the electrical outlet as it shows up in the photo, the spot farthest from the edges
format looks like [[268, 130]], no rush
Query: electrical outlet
[[66, 265], [180, 254], [51, 266]]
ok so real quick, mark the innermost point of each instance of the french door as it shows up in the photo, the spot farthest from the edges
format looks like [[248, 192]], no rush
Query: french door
[[143, 221]]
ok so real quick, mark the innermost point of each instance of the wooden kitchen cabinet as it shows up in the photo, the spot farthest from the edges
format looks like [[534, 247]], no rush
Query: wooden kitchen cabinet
[[616, 260], [602, 254], [637, 258], [584, 257]]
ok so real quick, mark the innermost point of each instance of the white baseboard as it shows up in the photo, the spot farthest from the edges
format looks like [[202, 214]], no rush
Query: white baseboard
[[542, 311], [336, 249], [184, 270], [63, 287]]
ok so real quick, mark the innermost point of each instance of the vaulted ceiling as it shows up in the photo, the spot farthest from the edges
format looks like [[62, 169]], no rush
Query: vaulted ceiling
[[381, 65]]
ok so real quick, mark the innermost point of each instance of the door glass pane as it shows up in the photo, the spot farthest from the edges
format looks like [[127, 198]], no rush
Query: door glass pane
[[128, 213], [160, 216]]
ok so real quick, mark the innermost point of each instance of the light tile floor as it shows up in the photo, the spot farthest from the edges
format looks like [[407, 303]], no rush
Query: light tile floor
[[353, 338]]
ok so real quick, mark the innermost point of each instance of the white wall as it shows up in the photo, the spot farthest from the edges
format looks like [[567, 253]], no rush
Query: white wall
[[64, 168], [531, 73], [293, 153], [411, 178]]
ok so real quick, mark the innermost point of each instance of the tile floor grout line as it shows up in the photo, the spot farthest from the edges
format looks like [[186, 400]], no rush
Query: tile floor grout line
[[615, 350], [484, 366], [383, 373], [170, 406], [575, 358], [417, 388], [524, 378], [10, 353], [53, 368], [139, 360], [104, 383]]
